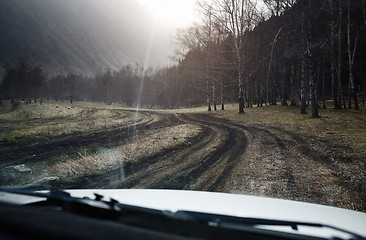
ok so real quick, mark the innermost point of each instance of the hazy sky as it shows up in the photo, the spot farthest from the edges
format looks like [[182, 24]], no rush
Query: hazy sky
[[88, 35], [177, 12]]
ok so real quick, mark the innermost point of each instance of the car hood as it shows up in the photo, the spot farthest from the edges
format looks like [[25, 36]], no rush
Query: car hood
[[241, 206]]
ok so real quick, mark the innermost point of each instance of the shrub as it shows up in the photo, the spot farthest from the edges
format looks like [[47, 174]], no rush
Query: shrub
[[15, 103]]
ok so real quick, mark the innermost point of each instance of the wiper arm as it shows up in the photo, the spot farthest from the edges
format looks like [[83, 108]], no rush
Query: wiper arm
[[97, 208], [64, 201]]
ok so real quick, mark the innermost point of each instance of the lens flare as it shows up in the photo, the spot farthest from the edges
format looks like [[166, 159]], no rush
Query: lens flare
[[177, 12]]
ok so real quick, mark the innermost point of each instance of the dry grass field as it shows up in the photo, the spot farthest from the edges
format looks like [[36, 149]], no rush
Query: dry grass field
[[269, 151]]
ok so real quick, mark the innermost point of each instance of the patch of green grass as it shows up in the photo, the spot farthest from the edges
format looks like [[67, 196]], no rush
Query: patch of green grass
[[85, 150], [22, 138], [117, 143], [7, 138], [13, 121], [98, 171], [39, 164], [52, 124], [124, 114], [64, 179], [59, 158]]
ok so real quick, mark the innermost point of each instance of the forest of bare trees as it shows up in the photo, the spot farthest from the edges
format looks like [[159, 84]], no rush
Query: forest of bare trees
[[304, 52], [161, 87]]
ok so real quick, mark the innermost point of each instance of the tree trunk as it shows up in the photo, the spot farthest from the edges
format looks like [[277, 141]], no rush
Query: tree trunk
[[302, 65], [312, 86], [312, 82], [323, 85], [292, 87], [221, 93], [241, 92], [364, 12], [302, 87], [339, 70], [351, 57], [247, 94], [241, 100], [332, 58], [208, 96], [214, 96]]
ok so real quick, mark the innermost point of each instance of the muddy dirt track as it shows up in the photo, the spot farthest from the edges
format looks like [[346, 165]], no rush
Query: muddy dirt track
[[11, 153], [223, 157]]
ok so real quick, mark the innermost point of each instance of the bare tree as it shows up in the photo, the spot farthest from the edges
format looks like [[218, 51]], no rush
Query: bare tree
[[236, 16], [364, 12], [351, 58], [339, 69], [302, 66], [270, 65], [310, 63], [332, 57], [277, 7]]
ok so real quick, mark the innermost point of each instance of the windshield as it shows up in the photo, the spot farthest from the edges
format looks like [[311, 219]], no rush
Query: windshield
[[261, 98]]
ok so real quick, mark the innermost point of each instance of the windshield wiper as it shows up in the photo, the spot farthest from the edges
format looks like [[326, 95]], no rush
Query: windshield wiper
[[232, 222], [183, 222]]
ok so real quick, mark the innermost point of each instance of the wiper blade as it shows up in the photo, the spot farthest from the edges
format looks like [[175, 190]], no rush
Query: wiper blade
[[152, 218], [216, 220], [64, 201], [225, 221]]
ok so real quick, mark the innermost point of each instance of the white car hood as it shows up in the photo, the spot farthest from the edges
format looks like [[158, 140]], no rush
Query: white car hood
[[241, 206]]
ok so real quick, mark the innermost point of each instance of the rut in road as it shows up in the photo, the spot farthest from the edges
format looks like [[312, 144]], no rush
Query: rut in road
[[256, 160], [132, 173], [284, 164], [213, 169], [44, 150], [206, 163]]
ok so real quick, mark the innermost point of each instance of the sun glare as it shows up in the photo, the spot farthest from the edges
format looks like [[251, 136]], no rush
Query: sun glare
[[177, 12]]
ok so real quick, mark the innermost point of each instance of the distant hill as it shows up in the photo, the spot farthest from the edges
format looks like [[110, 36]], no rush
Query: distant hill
[[81, 36]]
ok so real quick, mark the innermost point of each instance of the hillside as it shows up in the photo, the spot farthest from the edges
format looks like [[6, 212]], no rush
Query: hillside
[[82, 36]]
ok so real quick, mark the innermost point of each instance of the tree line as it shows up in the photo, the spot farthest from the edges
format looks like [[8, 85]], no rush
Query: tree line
[[301, 52], [304, 52], [130, 86]]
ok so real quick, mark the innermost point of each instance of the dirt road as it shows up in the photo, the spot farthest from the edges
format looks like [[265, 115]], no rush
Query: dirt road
[[223, 157], [227, 157]]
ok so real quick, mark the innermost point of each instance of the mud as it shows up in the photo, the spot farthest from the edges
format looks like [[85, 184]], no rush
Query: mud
[[224, 157], [20, 153]]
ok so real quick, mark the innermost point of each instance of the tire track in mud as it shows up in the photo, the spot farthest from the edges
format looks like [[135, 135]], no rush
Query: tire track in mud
[[284, 164], [267, 167], [227, 157], [202, 174], [54, 120], [132, 173], [338, 177], [45, 149], [195, 166], [255, 159]]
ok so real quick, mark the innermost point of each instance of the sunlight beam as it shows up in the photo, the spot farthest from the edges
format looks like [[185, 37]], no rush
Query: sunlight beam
[[177, 12]]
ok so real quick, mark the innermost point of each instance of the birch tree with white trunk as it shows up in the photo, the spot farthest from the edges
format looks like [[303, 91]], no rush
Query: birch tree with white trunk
[[236, 16]]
